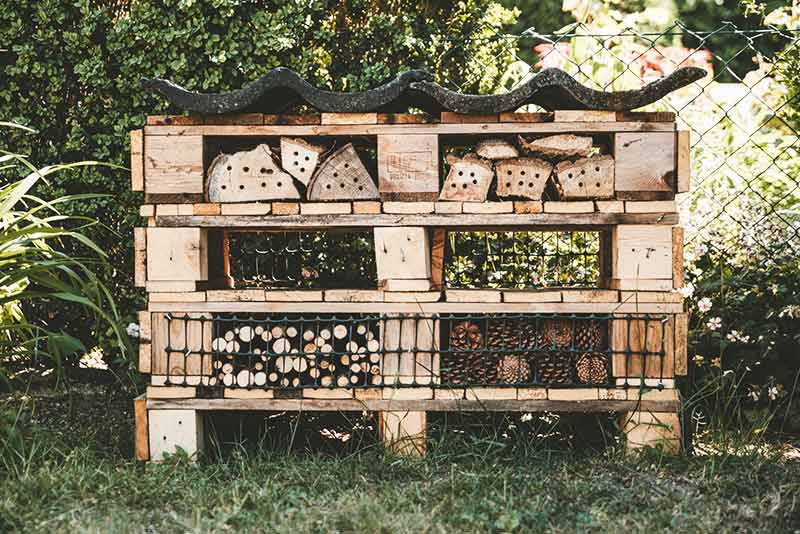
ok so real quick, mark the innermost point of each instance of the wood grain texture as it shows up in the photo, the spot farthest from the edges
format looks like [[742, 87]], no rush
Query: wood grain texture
[[177, 254], [247, 176], [348, 118], [402, 253], [677, 257], [438, 241], [522, 177], [173, 165], [584, 115], [641, 252], [342, 176], [684, 165], [139, 256], [173, 429], [645, 161], [137, 160], [468, 180], [141, 440], [681, 344], [585, 178], [408, 167]]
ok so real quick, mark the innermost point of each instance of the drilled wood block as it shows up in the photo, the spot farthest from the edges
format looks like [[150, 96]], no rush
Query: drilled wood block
[[584, 206], [408, 207], [300, 158], [254, 208], [171, 430], [173, 164], [402, 253], [247, 176], [585, 178], [325, 208], [468, 180], [644, 161], [342, 176], [177, 254], [488, 207], [408, 167], [522, 177]]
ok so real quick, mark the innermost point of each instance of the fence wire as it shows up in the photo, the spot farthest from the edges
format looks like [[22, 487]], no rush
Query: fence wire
[[742, 117]]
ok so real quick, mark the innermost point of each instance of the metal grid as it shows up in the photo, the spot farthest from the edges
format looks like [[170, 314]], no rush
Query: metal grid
[[327, 260], [269, 351], [522, 259]]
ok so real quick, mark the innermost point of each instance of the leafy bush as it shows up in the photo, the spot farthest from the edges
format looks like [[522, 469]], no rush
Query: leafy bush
[[71, 70]]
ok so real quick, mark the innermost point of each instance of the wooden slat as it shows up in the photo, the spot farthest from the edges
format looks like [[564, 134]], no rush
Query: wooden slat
[[366, 207], [681, 344], [510, 220], [174, 120], [353, 295], [249, 208], [206, 209], [526, 117], [293, 120], [473, 295], [177, 254], [139, 257], [330, 119], [171, 392], [581, 115], [489, 207], [448, 117], [684, 165], [141, 439], [285, 208], [408, 207], [537, 296], [418, 284], [580, 206], [438, 238], [441, 129], [185, 296], [149, 210], [235, 119], [293, 295], [402, 253], [173, 165], [137, 160], [145, 357], [647, 116], [610, 206], [405, 118], [589, 295], [651, 206], [325, 208], [524, 206], [677, 257], [358, 405]]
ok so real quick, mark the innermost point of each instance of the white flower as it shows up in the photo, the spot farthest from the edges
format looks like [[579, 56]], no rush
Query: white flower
[[701, 249], [735, 336], [774, 288], [714, 324], [754, 394], [772, 392], [687, 290], [526, 417], [704, 304], [133, 330]]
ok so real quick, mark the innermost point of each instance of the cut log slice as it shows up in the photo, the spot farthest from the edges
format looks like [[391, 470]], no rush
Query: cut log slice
[[496, 149], [299, 158], [342, 177], [468, 180], [523, 177], [586, 178], [558, 146], [249, 176]]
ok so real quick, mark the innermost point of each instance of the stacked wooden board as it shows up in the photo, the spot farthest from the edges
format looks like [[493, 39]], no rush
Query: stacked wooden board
[[209, 344]]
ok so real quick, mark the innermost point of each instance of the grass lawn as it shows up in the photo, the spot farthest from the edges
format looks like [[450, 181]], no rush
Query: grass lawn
[[75, 475]]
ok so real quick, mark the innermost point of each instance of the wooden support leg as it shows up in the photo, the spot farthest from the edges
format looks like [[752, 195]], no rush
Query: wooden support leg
[[652, 429], [141, 442], [173, 429], [403, 433]]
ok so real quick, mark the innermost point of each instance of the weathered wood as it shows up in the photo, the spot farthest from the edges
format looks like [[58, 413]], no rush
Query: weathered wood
[[412, 296], [206, 209], [488, 207], [249, 208], [681, 344], [304, 119], [526, 117], [402, 253], [589, 295], [173, 165], [652, 429], [236, 295], [493, 149], [353, 295], [219, 267], [137, 160], [649, 116], [196, 296], [573, 394], [140, 256], [405, 118], [172, 286], [643, 348], [141, 440], [173, 429], [418, 285], [174, 120], [145, 364], [584, 115], [468, 180], [528, 206], [235, 119], [644, 161], [285, 208], [641, 284], [651, 296], [538, 296], [677, 257], [147, 210], [293, 295], [300, 158], [182, 348], [651, 206], [558, 146], [582, 217], [367, 206], [177, 254], [171, 392], [247, 176], [448, 207], [403, 432], [473, 295], [684, 164], [641, 252], [408, 207], [585, 178], [349, 118], [408, 167], [467, 118], [325, 208], [522, 177], [342, 176], [438, 239]]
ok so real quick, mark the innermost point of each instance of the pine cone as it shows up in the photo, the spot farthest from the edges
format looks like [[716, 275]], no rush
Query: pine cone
[[558, 333], [592, 368], [466, 342], [554, 368], [513, 369], [588, 335]]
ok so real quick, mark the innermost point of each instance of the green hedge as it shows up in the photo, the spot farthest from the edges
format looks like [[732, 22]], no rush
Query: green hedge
[[71, 70]]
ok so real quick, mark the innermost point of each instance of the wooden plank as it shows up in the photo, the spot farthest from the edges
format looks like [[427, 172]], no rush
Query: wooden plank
[[137, 160], [325, 208], [648, 429], [641, 284], [473, 295], [250, 208], [415, 393], [415, 129], [447, 207], [285, 208], [300, 222], [488, 207], [405, 118], [677, 257], [173, 165], [422, 284], [185, 209], [163, 210], [403, 432], [236, 295], [171, 392], [235, 119], [141, 440], [644, 161], [330, 119], [573, 394], [293, 295], [173, 429], [647, 116], [328, 393], [402, 253], [293, 119], [139, 257], [408, 167], [681, 344], [194, 296], [295, 306], [653, 394], [584, 115], [490, 393], [684, 164], [448, 117], [638, 345], [641, 252], [237, 393], [147, 210], [177, 254], [182, 348], [652, 206], [412, 296], [145, 329], [581, 206], [206, 209], [174, 120], [368, 393], [145, 364], [526, 117], [538, 296], [667, 383], [408, 207], [528, 206], [610, 206], [353, 295], [589, 295], [438, 238], [366, 207], [442, 404], [531, 393], [651, 296]]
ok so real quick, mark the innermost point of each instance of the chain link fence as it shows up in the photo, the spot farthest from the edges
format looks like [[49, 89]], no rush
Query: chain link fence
[[742, 117]]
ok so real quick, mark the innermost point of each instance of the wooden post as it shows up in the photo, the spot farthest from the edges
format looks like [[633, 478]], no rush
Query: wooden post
[[141, 440], [652, 429], [173, 429], [403, 433]]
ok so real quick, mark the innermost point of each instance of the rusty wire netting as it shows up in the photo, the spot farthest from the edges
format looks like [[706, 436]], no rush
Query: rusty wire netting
[[742, 117]]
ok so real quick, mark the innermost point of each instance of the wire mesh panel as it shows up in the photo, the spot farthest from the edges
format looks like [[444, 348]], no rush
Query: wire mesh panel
[[522, 259], [327, 260], [270, 351]]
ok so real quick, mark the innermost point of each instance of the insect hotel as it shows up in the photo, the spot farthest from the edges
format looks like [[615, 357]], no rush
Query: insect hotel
[[360, 257]]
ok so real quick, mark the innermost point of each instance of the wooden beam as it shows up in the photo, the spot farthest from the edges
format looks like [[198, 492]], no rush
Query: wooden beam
[[141, 439], [137, 160]]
